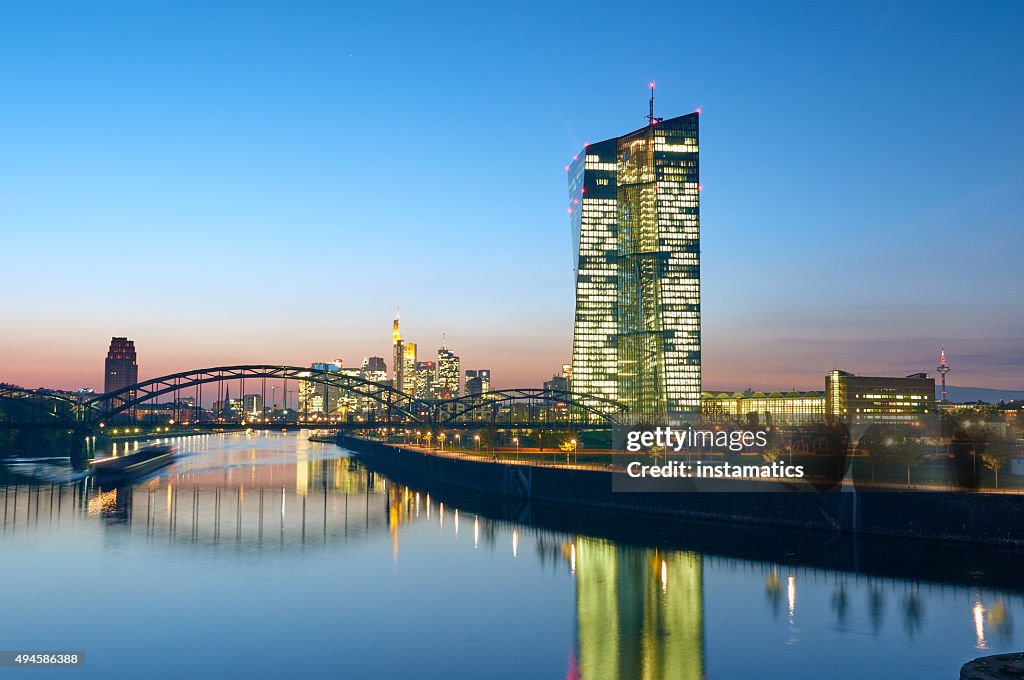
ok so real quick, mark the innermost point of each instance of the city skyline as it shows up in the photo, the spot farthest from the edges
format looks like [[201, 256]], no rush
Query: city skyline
[[827, 190]]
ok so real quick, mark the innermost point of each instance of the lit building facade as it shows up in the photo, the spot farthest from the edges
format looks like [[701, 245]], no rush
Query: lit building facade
[[375, 370], [121, 369], [448, 373], [760, 408], [404, 356], [317, 398], [409, 364], [425, 380], [635, 216], [252, 404], [478, 381], [593, 211], [865, 400]]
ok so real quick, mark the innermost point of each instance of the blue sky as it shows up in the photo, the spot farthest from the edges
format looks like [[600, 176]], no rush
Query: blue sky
[[235, 182]]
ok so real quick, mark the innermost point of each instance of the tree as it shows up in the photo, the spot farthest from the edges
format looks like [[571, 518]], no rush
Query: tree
[[908, 450], [994, 450], [773, 447], [876, 445]]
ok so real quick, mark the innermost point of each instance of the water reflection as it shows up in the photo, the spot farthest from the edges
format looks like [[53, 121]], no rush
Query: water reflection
[[639, 613], [630, 610]]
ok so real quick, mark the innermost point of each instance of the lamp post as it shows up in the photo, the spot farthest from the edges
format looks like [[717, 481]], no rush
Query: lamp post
[[574, 459], [458, 441], [440, 439], [516, 441], [477, 438]]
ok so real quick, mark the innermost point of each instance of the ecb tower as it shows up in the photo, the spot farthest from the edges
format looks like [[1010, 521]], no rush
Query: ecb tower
[[634, 207]]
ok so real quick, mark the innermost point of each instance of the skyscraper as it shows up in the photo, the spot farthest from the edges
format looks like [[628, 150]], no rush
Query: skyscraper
[[426, 385], [409, 364], [120, 369], [397, 354], [447, 373], [405, 361], [478, 381], [635, 216], [375, 370]]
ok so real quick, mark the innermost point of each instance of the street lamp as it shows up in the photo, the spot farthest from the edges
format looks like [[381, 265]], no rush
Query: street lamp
[[440, 438], [458, 441], [516, 441], [477, 438], [573, 442]]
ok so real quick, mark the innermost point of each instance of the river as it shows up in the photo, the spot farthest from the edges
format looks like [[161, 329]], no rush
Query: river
[[263, 555]]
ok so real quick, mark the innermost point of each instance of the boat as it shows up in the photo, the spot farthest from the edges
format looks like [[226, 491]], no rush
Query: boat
[[124, 468]]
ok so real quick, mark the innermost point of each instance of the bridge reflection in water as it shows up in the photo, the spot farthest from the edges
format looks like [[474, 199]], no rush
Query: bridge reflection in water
[[639, 611]]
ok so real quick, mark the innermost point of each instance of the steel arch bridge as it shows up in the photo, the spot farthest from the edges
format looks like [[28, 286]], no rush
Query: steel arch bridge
[[43, 407], [524, 407]]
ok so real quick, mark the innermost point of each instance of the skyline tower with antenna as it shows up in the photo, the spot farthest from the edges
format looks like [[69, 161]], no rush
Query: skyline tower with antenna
[[634, 212], [943, 369]]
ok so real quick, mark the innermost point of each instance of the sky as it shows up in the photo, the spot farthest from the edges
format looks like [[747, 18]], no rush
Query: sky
[[267, 182]]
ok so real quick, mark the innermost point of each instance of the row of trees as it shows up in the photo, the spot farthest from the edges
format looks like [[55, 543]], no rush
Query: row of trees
[[972, 444]]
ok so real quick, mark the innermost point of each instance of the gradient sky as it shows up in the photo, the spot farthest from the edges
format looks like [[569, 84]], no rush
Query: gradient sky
[[258, 182]]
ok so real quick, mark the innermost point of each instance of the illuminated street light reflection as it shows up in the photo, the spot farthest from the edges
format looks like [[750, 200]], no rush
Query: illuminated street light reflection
[[979, 625]]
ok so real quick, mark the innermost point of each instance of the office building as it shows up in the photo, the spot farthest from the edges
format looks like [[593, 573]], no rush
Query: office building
[[426, 380], [478, 381], [448, 373], [252, 404], [635, 216], [120, 370], [375, 370], [121, 367], [764, 409], [559, 381], [865, 400], [404, 355]]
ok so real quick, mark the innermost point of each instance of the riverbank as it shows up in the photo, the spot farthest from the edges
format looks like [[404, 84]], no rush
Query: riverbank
[[994, 519]]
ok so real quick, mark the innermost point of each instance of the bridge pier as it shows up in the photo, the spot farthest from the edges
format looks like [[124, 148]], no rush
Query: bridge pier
[[79, 448]]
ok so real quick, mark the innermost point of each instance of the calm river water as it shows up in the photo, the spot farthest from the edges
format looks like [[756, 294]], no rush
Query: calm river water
[[267, 556]]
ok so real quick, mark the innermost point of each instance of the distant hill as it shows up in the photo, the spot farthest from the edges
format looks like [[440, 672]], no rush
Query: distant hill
[[963, 394]]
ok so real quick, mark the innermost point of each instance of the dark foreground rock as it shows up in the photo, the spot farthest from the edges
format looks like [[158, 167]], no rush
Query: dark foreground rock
[[998, 667]]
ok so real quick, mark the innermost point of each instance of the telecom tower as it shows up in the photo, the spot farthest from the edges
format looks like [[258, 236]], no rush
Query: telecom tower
[[943, 369]]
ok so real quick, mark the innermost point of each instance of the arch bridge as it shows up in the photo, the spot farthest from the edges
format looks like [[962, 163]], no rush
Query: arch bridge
[[368, 404]]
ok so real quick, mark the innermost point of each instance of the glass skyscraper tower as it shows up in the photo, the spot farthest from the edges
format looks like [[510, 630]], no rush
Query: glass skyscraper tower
[[635, 215]]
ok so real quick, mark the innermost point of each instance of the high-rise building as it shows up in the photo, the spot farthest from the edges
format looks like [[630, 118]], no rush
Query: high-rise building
[[448, 374], [425, 380], [409, 368], [478, 381], [120, 369], [635, 216], [319, 398], [346, 402], [397, 354], [404, 362], [252, 404], [375, 370], [557, 382]]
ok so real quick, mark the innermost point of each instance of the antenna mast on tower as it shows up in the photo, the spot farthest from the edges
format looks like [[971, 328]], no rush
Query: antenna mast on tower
[[943, 369], [650, 116]]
